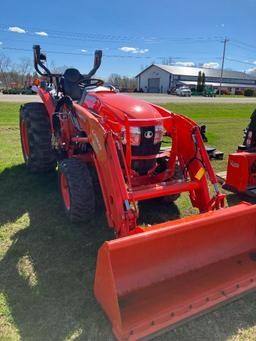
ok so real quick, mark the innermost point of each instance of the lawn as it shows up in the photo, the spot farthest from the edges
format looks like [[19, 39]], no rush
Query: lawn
[[47, 265]]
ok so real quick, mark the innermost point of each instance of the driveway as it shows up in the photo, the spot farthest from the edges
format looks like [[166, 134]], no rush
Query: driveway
[[154, 98], [164, 98], [19, 98]]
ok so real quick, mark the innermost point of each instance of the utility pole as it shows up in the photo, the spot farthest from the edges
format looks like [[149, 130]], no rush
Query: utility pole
[[223, 61]]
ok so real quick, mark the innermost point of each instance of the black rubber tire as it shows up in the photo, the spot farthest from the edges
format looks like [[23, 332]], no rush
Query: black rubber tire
[[81, 190], [41, 157]]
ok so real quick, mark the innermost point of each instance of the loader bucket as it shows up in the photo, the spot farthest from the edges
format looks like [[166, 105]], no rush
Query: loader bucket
[[176, 270]]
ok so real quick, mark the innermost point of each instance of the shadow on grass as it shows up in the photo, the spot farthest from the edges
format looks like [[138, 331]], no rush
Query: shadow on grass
[[60, 304]]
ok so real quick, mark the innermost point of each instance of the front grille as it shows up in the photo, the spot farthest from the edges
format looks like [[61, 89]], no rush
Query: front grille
[[146, 147]]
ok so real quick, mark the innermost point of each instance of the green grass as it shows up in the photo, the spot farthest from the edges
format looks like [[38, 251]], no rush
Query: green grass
[[47, 265]]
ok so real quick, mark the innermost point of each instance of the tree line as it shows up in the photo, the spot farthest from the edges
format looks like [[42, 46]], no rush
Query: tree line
[[15, 74], [21, 75]]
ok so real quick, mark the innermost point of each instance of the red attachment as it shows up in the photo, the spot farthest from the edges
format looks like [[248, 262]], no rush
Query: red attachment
[[48, 102], [217, 202], [241, 173], [150, 281], [163, 189]]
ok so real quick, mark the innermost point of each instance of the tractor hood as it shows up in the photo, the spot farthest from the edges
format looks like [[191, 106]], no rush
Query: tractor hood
[[121, 105]]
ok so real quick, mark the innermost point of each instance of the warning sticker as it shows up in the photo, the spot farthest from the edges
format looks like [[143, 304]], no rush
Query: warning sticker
[[200, 173]]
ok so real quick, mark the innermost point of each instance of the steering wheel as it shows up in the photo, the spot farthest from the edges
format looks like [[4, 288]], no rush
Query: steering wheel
[[89, 82]]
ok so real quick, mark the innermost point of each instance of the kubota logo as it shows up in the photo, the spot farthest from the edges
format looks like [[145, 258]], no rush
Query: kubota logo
[[234, 164], [148, 134]]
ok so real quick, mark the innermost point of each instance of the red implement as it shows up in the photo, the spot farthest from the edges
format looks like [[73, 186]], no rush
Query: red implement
[[173, 271]]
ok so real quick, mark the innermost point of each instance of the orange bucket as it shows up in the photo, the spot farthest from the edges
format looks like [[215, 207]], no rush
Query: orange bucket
[[176, 270]]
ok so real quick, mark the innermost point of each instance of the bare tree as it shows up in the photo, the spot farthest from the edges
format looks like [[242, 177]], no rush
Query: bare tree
[[122, 82], [15, 75], [5, 64], [24, 69], [58, 69]]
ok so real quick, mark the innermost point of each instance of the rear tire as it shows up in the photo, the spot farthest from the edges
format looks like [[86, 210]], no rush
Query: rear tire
[[35, 135], [77, 190]]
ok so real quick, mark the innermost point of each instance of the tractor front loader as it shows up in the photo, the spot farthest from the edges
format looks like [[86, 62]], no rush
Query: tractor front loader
[[148, 278]]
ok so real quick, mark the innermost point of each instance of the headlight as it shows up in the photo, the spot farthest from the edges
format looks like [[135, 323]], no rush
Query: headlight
[[135, 136], [158, 134]]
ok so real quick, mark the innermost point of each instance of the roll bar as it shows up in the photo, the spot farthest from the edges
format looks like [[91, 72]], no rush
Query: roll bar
[[40, 58]]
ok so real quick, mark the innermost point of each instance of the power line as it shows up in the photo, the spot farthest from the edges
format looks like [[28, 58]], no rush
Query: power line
[[87, 54], [240, 61], [82, 47], [112, 38], [244, 44], [99, 37]]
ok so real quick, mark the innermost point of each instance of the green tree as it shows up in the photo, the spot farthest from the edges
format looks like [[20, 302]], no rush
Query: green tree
[[199, 82], [203, 82]]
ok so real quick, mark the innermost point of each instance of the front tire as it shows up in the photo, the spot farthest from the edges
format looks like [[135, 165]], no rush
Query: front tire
[[35, 135], [77, 190]]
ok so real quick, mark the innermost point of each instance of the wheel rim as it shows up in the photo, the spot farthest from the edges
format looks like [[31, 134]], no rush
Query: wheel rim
[[65, 191], [24, 139]]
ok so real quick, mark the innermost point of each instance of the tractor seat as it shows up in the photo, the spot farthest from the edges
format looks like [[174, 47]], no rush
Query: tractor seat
[[69, 83]]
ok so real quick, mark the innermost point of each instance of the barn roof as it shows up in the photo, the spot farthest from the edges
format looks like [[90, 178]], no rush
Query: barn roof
[[193, 71]]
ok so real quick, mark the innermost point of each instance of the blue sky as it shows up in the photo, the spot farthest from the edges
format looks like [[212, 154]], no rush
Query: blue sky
[[132, 34]]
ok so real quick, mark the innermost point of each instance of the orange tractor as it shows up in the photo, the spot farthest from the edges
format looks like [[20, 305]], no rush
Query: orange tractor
[[148, 278]]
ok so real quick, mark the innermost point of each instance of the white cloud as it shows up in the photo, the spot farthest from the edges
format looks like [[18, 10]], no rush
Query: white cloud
[[16, 29], [127, 49], [211, 65], [141, 51], [252, 70], [132, 49], [1, 43], [185, 63], [42, 34], [83, 50]]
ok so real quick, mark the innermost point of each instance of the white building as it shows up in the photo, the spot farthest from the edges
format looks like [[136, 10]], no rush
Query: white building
[[160, 78]]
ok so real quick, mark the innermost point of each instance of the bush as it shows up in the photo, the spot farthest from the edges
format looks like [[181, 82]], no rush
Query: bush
[[248, 92], [27, 92], [11, 91], [224, 92], [15, 91], [239, 92]]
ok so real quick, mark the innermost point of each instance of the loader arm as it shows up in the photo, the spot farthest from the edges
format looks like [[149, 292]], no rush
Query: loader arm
[[119, 213]]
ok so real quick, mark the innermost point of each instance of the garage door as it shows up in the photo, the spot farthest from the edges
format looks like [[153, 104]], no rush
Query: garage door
[[154, 85]]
